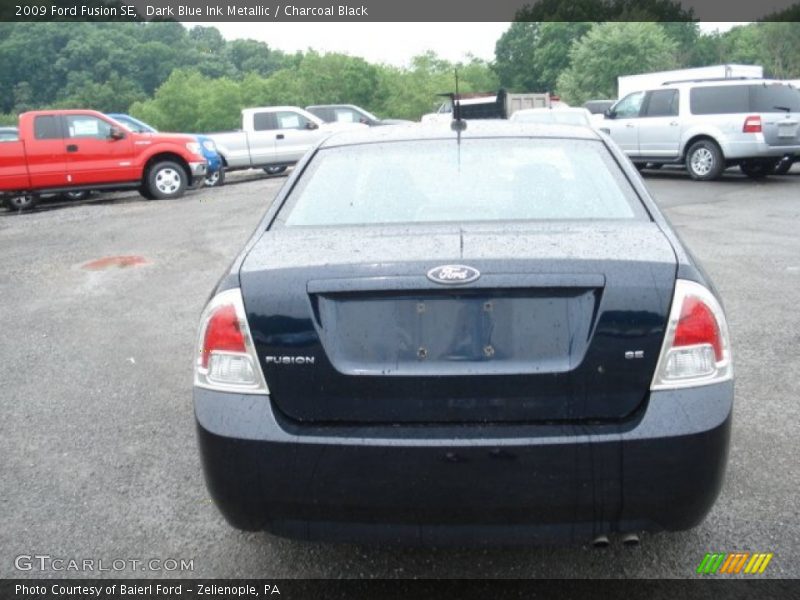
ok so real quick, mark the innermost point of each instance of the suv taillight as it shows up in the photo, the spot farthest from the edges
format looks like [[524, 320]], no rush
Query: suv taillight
[[752, 124], [696, 348], [226, 359]]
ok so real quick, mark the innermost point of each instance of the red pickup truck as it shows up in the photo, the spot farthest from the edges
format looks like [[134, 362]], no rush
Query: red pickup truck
[[73, 150]]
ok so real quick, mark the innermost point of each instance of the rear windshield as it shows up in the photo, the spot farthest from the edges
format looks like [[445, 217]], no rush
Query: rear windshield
[[731, 99], [506, 179]]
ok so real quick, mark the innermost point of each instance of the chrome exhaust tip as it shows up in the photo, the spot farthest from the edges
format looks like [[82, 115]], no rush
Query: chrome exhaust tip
[[601, 541]]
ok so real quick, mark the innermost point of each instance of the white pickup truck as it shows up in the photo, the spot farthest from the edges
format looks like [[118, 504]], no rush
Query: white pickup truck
[[272, 138]]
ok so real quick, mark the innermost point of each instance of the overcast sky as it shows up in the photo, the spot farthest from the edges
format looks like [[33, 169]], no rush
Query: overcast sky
[[393, 43]]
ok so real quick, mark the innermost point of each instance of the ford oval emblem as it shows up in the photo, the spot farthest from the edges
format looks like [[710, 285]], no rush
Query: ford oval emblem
[[453, 274]]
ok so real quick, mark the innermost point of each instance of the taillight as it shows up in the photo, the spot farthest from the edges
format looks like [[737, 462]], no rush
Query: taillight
[[752, 124], [696, 348], [226, 359]]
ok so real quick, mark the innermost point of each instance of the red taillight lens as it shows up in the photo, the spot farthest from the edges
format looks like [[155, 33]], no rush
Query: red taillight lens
[[697, 325], [223, 333], [696, 348], [752, 124]]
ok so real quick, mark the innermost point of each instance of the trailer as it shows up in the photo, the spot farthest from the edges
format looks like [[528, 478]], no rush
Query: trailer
[[489, 105], [627, 84]]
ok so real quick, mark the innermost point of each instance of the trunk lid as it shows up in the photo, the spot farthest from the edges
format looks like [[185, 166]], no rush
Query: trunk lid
[[565, 322]]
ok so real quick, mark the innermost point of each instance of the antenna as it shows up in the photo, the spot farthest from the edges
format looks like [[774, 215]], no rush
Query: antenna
[[458, 124]]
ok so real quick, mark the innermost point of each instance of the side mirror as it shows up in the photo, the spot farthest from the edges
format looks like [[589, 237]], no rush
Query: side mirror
[[609, 113], [116, 133], [311, 125]]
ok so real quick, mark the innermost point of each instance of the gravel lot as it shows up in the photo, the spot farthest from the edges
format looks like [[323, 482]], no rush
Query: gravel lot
[[97, 438]]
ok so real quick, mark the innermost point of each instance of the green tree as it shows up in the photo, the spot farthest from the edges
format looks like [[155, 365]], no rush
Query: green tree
[[609, 50]]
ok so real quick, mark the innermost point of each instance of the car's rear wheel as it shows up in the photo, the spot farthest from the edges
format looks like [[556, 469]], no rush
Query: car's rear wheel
[[166, 180], [704, 161], [758, 169], [274, 170], [215, 179], [21, 202]]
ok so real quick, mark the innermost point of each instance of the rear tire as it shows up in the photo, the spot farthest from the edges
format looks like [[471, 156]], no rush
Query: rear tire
[[21, 202], [704, 161], [216, 179], [274, 170], [166, 179], [757, 169]]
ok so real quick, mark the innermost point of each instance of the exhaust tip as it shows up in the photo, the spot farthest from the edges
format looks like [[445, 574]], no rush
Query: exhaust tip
[[630, 539], [601, 541]]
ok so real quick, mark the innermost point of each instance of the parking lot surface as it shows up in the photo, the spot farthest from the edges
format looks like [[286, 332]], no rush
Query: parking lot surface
[[99, 459]]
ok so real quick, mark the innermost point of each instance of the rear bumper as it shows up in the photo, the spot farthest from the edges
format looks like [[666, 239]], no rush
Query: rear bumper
[[466, 484], [755, 148]]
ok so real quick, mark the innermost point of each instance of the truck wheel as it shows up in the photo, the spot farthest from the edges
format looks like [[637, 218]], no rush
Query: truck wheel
[[215, 179], [274, 170], [21, 202], [757, 169], [166, 180], [704, 161]]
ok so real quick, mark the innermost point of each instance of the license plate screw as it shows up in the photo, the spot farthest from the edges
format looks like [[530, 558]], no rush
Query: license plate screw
[[488, 351], [420, 307], [487, 306], [422, 353]]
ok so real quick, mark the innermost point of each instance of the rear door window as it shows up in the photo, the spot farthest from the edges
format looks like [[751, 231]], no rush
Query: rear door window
[[263, 121], [662, 103], [719, 100], [47, 127]]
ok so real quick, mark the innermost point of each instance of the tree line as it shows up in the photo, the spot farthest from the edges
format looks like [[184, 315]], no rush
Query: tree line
[[194, 80]]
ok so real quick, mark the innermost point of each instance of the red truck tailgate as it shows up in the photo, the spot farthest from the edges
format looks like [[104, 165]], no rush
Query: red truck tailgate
[[13, 167]]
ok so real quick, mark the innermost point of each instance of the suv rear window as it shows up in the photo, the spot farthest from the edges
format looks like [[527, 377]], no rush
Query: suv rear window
[[730, 99], [775, 97], [720, 99], [439, 181]]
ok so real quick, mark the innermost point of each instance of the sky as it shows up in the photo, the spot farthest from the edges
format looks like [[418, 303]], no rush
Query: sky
[[391, 43]]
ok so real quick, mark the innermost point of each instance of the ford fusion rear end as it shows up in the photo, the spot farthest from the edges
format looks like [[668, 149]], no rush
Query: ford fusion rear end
[[414, 347]]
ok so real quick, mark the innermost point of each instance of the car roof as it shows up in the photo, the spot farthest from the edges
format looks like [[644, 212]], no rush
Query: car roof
[[476, 129]]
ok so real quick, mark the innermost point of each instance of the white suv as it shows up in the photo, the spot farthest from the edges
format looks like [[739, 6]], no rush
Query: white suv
[[709, 125]]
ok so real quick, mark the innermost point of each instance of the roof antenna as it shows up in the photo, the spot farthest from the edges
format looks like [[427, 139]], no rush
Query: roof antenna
[[457, 124]]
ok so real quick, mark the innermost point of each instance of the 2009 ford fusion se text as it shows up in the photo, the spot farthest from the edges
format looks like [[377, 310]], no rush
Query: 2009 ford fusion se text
[[481, 336]]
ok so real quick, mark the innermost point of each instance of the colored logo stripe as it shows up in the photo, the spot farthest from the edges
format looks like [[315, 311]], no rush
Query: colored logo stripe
[[734, 562]]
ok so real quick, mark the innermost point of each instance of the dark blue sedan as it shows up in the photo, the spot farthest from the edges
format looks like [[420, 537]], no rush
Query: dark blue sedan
[[483, 336]]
